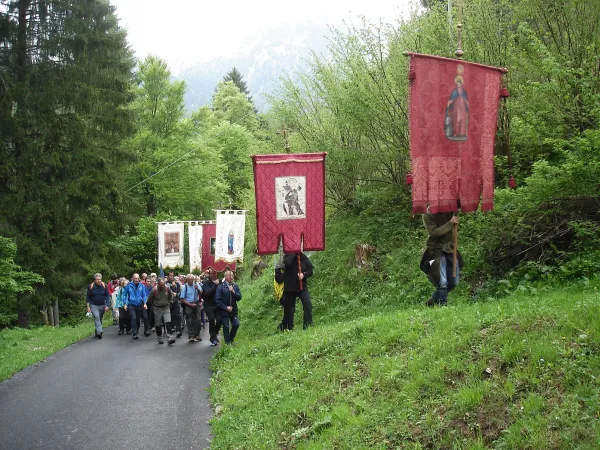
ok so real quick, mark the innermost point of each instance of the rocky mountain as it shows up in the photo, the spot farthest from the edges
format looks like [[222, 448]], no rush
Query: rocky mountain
[[262, 60]]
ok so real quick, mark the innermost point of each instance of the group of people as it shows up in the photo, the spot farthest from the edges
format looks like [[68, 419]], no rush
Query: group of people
[[159, 301]]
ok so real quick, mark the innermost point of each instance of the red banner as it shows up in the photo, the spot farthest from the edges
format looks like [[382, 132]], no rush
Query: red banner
[[209, 237], [290, 201], [453, 119]]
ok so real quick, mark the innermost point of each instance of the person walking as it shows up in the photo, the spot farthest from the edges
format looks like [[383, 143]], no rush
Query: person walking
[[113, 287], [124, 319], [292, 278], [150, 283], [136, 306], [438, 260], [226, 297], [175, 286], [192, 302], [98, 301], [209, 288], [162, 298]]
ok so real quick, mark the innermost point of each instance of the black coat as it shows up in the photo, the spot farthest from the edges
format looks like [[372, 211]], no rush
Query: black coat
[[288, 275], [209, 287]]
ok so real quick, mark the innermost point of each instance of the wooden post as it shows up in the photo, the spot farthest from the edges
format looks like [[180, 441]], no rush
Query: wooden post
[[455, 247], [50, 315], [56, 314]]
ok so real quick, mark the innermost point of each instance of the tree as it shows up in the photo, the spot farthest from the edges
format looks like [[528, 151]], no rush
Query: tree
[[67, 72], [236, 78], [230, 104]]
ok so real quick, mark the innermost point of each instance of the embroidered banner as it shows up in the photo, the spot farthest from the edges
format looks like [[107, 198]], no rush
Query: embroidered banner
[[290, 201], [170, 244], [209, 241], [195, 244], [453, 118], [229, 246]]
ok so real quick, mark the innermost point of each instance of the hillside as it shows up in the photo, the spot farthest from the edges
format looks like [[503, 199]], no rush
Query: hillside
[[261, 60]]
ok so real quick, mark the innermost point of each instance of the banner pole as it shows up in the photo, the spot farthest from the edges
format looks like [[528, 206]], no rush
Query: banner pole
[[455, 247]]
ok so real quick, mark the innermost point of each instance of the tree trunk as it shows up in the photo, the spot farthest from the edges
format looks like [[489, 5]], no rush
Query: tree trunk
[[50, 315], [56, 314], [45, 316], [23, 309]]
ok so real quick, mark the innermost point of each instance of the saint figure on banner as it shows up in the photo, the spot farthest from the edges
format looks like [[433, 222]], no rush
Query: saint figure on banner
[[456, 121], [230, 242], [171, 244]]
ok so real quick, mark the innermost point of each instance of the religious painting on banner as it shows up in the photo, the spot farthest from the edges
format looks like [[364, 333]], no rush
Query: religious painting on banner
[[170, 244], [290, 202], [229, 245], [209, 238], [195, 245], [453, 108]]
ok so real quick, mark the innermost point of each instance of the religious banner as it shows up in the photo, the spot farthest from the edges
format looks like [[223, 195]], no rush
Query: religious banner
[[195, 245], [229, 245], [453, 109], [209, 241], [170, 244], [290, 202]]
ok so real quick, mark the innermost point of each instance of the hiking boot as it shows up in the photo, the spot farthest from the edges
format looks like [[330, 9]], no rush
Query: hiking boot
[[121, 332], [135, 337], [197, 338], [191, 340], [170, 340], [179, 335], [146, 333], [213, 342], [161, 340]]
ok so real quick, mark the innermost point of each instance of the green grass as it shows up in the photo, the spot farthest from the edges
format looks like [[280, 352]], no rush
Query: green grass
[[414, 378], [20, 348]]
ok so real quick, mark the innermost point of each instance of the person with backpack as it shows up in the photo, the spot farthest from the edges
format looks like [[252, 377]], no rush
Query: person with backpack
[[162, 298], [192, 301], [98, 301], [136, 306], [226, 297]]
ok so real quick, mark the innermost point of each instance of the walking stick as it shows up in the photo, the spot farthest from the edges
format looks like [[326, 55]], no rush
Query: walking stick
[[455, 245]]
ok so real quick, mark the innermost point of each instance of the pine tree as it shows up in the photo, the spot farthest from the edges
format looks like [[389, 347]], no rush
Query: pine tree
[[67, 73], [236, 77]]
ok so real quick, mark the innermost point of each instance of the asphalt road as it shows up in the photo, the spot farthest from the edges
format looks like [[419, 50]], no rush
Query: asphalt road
[[113, 393]]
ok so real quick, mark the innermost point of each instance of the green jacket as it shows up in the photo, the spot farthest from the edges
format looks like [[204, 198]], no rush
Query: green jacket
[[160, 298], [439, 228]]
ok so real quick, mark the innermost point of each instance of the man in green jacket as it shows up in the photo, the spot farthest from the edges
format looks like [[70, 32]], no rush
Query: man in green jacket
[[162, 297], [438, 261]]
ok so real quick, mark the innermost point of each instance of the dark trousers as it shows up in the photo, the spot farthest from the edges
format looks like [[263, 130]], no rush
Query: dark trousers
[[192, 318], [124, 320], [150, 312], [176, 317], [137, 312], [214, 322], [288, 301], [228, 335]]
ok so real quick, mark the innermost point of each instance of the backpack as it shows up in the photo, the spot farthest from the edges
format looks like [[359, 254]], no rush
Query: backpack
[[103, 285]]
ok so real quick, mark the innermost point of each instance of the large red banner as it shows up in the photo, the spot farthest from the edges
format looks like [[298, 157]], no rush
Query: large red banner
[[290, 201], [453, 119], [209, 237]]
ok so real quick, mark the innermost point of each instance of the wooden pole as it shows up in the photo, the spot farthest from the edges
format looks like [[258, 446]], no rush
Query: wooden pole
[[299, 269], [455, 247]]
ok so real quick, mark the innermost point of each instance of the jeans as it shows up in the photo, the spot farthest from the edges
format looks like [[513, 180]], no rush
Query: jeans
[[124, 320], [98, 313], [137, 312], [229, 336], [176, 317], [161, 314], [288, 301], [447, 281], [214, 323], [192, 317]]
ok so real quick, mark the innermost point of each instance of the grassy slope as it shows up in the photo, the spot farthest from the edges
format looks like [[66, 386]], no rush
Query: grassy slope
[[20, 348], [379, 370], [414, 379]]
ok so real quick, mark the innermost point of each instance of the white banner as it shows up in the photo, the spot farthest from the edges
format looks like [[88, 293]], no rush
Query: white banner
[[229, 245], [170, 244], [195, 241]]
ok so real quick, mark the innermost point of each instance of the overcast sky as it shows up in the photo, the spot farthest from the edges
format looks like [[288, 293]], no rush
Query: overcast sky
[[184, 32]]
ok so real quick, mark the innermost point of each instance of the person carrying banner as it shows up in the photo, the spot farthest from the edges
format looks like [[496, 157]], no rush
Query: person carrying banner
[[226, 297], [98, 301], [192, 301], [136, 306], [294, 286], [162, 297], [175, 286], [437, 261], [209, 288]]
